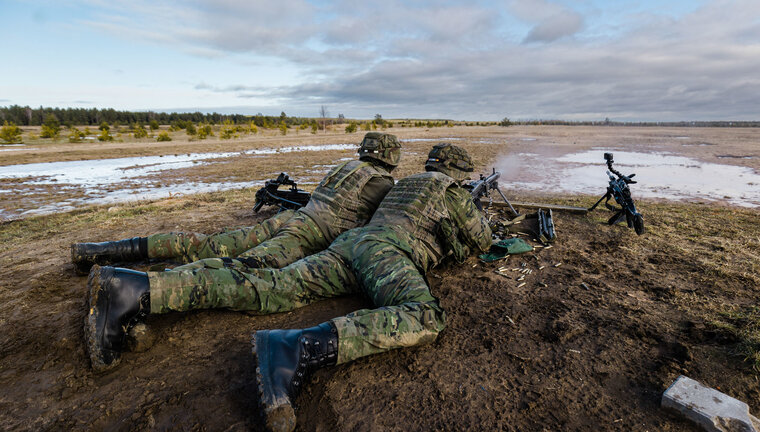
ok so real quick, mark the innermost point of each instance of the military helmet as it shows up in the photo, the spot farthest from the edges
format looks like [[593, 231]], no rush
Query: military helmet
[[383, 147], [451, 160]]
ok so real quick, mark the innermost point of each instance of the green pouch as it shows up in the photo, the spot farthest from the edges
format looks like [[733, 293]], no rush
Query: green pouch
[[511, 246]]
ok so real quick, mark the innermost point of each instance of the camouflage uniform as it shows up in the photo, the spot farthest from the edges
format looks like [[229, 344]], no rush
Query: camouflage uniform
[[345, 199], [190, 247], [424, 217]]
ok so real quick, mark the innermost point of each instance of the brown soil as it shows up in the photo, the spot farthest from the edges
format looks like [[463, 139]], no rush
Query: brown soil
[[554, 357], [681, 299]]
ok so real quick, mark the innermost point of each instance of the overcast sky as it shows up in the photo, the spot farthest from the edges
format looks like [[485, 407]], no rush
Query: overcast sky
[[476, 60]]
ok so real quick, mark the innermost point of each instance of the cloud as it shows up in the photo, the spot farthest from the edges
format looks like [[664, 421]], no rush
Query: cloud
[[520, 58], [555, 27], [550, 21]]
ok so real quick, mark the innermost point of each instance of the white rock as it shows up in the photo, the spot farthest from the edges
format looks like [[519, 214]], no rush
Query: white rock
[[709, 408]]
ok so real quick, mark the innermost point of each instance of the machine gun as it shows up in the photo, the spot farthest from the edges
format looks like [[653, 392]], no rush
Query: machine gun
[[541, 223], [618, 188], [270, 194], [483, 187]]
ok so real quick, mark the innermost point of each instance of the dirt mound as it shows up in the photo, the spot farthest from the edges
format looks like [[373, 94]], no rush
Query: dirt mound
[[587, 345]]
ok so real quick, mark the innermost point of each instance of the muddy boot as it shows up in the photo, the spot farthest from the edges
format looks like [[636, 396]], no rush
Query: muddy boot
[[85, 255], [119, 298], [284, 361]]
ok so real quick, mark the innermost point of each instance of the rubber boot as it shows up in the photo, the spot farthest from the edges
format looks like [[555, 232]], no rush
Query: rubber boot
[[85, 255], [284, 361], [119, 299]]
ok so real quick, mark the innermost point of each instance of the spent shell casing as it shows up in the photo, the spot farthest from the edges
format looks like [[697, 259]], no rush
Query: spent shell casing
[[558, 264], [521, 285]]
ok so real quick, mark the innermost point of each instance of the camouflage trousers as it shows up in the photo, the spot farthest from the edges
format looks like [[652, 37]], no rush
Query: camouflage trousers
[[190, 247], [298, 237], [369, 260]]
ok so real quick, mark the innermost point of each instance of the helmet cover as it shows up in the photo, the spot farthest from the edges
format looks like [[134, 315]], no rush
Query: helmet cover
[[451, 160], [383, 147]]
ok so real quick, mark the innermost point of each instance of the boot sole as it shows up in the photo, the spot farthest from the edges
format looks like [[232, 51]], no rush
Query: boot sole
[[278, 412], [81, 267], [97, 310]]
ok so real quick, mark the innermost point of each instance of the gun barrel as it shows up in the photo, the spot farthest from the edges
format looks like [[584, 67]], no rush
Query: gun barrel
[[491, 179]]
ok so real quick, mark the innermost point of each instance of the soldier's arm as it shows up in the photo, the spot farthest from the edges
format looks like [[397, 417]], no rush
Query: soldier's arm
[[474, 231], [372, 194]]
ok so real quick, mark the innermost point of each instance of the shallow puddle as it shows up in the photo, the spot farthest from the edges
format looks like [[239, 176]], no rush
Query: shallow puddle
[[89, 173], [106, 181], [15, 147], [410, 140], [659, 175]]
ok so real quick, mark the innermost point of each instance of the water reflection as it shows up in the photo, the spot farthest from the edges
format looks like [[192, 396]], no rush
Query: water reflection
[[660, 175], [104, 181]]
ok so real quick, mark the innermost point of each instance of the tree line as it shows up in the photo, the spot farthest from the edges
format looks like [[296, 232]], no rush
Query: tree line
[[608, 122], [27, 116]]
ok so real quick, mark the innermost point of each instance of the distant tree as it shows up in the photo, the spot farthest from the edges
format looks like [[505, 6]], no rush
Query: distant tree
[[76, 136], [190, 129], [51, 127], [341, 119], [283, 127], [163, 136], [505, 122], [105, 135], [351, 128], [205, 130], [228, 130], [323, 114], [140, 132], [10, 133], [379, 119], [314, 128], [366, 126], [252, 128], [104, 126], [153, 125]]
